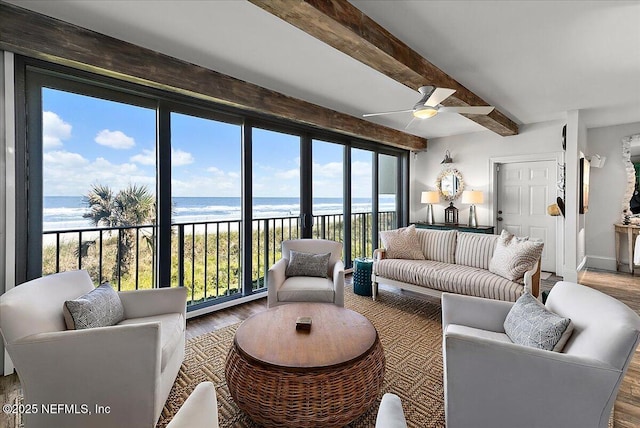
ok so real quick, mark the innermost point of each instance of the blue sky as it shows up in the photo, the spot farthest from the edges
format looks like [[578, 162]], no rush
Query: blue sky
[[93, 141]]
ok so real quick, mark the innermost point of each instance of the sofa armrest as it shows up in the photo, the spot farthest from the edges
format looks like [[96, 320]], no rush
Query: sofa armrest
[[379, 254], [532, 280], [338, 283], [390, 413], [527, 384], [275, 278], [200, 410], [476, 312], [106, 361], [157, 301]]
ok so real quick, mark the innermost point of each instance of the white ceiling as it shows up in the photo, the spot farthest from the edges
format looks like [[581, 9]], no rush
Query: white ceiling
[[533, 60]]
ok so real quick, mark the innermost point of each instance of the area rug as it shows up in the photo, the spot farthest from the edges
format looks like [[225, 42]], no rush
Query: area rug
[[410, 331]]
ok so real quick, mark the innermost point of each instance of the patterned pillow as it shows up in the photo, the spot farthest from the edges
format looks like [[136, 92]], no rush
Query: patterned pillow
[[529, 323], [514, 256], [402, 244], [306, 264], [100, 307]]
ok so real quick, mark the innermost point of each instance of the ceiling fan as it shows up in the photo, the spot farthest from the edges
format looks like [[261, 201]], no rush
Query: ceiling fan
[[429, 105]]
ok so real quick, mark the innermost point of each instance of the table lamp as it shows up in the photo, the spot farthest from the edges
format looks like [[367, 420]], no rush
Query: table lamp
[[472, 197], [430, 197]]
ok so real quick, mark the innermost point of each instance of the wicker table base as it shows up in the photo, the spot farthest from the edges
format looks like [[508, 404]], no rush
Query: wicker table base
[[329, 396]]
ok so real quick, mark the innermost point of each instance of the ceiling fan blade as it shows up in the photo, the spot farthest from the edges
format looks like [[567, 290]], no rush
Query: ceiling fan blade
[[467, 110], [439, 95], [387, 112], [413, 119]]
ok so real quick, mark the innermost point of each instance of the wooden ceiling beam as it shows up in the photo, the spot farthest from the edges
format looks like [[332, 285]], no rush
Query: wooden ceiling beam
[[344, 27], [32, 34]]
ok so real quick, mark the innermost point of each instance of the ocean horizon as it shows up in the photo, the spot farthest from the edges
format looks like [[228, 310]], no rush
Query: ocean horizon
[[65, 212]]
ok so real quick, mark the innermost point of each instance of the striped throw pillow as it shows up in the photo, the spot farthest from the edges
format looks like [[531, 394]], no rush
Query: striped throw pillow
[[514, 256]]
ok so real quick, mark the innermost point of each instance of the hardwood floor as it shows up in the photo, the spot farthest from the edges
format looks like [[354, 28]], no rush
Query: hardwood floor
[[622, 286]]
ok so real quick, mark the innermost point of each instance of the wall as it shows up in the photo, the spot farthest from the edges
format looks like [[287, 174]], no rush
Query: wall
[[605, 195], [471, 154], [3, 169]]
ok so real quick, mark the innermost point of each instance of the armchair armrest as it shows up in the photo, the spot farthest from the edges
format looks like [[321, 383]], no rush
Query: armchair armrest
[[338, 283], [157, 301], [527, 384], [476, 312], [379, 254], [390, 413], [275, 278], [106, 361]]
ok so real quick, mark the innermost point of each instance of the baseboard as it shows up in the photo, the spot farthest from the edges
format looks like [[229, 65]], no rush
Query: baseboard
[[582, 264], [604, 263]]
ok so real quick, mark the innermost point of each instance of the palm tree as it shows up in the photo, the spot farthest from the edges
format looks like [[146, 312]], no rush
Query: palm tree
[[131, 206]]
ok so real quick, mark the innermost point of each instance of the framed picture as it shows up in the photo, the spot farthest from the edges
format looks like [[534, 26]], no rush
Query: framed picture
[[584, 185]]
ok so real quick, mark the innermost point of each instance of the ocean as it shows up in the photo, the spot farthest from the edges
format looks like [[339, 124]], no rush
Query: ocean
[[65, 212]]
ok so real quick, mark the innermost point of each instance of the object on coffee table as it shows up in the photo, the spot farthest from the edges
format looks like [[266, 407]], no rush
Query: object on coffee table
[[303, 323]]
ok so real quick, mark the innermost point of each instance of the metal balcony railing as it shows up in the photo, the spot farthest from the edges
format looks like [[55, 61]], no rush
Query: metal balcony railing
[[206, 257]]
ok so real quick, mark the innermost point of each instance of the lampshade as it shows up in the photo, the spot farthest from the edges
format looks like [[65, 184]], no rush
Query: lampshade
[[472, 197], [430, 197]]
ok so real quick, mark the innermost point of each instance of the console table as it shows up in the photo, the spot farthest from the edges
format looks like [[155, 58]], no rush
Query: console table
[[631, 232], [461, 227]]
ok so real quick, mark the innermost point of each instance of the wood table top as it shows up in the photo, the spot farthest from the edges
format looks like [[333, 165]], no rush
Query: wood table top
[[337, 336]]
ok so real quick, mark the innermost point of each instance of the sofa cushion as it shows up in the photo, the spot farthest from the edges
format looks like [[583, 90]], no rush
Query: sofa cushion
[[401, 244], [514, 256], [477, 332], [307, 264], [172, 330], [475, 249], [100, 307], [451, 278], [438, 245], [306, 289], [529, 323]]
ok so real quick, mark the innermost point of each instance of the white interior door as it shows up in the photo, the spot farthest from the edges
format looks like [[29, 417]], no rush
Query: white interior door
[[525, 189]]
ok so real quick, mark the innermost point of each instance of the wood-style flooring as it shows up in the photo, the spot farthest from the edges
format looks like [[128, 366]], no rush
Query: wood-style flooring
[[622, 286]]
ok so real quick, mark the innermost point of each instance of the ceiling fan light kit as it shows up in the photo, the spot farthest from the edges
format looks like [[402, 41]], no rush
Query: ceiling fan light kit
[[429, 105]]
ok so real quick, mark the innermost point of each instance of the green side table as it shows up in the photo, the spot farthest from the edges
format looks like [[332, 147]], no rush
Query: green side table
[[362, 268]]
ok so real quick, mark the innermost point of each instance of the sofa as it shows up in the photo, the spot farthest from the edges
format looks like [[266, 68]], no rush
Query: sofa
[[112, 376], [427, 261]]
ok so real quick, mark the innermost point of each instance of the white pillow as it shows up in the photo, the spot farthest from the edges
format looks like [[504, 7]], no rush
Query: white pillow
[[402, 244], [514, 256]]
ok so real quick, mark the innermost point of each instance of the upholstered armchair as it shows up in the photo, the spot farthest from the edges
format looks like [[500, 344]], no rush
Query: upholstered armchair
[[200, 409], [126, 369], [489, 381], [327, 288]]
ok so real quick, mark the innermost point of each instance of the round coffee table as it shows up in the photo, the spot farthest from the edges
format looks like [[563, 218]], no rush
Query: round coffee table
[[327, 376]]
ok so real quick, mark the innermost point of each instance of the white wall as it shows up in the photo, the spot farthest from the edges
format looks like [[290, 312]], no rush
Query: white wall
[[3, 169], [607, 186], [471, 154]]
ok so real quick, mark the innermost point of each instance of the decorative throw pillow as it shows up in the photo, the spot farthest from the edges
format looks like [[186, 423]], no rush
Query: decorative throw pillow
[[529, 323], [306, 264], [514, 256], [100, 307], [402, 244]]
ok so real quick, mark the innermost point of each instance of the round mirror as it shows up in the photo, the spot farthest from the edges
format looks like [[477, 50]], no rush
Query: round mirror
[[450, 184]]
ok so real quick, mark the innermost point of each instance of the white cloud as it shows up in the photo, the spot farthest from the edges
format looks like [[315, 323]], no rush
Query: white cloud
[[114, 139], [328, 170], [54, 130], [215, 171], [288, 175], [147, 157], [181, 158], [64, 159]]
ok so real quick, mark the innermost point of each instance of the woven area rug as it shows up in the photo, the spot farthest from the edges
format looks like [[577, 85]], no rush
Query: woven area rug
[[411, 333]]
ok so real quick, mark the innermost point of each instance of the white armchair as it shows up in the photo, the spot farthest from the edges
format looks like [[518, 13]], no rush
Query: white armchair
[[304, 288], [128, 369], [491, 382], [390, 413], [200, 410]]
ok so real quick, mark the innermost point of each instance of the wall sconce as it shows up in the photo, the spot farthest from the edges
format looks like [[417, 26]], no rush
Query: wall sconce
[[430, 197], [447, 158], [451, 214], [472, 197], [597, 161]]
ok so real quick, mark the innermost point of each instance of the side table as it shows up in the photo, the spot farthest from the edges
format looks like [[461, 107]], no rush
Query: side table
[[363, 267]]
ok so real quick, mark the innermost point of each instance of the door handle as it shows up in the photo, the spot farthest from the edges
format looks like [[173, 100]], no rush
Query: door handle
[[499, 218]]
